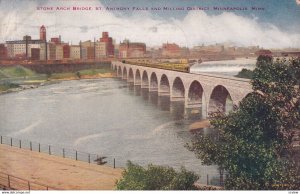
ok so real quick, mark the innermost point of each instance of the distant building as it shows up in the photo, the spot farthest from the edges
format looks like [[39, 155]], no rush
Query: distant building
[[132, 49], [290, 54], [43, 33], [264, 53], [101, 50], [51, 48], [59, 52], [56, 40], [170, 50], [75, 52], [22, 48], [66, 51], [88, 50], [35, 54], [3, 51], [109, 44]]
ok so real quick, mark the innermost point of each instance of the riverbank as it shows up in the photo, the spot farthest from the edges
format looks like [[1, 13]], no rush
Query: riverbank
[[56, 172], [70, 76], [200, 125], [15, 79]]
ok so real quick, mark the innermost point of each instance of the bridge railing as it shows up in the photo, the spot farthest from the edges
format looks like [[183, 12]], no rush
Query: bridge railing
[[59, 151], [185, 70], [10, 182], [167, 66]]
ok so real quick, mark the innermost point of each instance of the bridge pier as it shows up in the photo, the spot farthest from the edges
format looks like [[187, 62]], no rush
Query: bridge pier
[[153, 89], [137, 83], [163, 93], [144, 86], [130, 81]]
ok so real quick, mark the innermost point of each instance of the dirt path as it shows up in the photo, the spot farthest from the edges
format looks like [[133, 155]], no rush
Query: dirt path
[[55, 171]]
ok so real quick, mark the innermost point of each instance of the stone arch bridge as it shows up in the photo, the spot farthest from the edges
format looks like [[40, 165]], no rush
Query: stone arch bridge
[[209, 92]]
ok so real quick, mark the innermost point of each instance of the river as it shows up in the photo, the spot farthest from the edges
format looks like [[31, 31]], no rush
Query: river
[[225, 67], [106, 117]]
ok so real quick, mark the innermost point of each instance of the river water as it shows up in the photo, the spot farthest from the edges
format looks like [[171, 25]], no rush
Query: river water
[[106, 117], [226, 67]]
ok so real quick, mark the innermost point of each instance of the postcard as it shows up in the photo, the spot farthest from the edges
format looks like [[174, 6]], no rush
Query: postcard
[[149, 95]]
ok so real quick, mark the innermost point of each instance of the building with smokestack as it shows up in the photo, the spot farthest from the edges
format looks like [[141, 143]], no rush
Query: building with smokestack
[[21, 49], [108, 41]]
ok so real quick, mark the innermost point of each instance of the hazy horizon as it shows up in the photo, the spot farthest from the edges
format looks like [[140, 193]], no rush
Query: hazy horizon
[[266, 28]]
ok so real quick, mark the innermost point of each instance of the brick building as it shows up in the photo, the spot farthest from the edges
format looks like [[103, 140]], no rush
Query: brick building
[[170, 50], [66, 51], [132, 49], [35, 53], [108, 44], [3, 51]]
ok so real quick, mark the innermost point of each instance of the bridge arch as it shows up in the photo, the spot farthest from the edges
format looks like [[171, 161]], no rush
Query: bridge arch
[[220, 100], [137, 80], [195, 94], [119, 72], [153, 82], [145, 80], [178, 90], [164, 87], [124, 73], [130, 76]]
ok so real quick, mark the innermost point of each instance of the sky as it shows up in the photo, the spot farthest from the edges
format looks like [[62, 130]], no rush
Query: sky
[[275, 26]]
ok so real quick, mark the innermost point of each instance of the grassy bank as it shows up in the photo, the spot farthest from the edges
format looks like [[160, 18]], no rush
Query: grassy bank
[[7, 86], [19, 76], [83, 74], [16, 72]]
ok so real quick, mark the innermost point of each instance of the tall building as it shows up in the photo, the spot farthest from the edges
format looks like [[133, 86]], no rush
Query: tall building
[[88, 50], [75, 52], [3, 51], [109, 44], [101, 51], [132, 49], [43, 33], [66, 51]]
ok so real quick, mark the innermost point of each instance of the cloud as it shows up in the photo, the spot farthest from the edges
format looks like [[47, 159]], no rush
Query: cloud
[[18, 18]]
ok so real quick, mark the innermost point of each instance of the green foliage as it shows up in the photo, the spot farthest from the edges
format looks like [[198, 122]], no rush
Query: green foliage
[[2, 75], [78, 74], [17, 71], [7, 85], [95, 71], [245, 73], [255, 139], [155, 177]]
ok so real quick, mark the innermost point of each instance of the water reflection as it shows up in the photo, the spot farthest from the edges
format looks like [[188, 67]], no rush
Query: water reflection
[[177, 109]]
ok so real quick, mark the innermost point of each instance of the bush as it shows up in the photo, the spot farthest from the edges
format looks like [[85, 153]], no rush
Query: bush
[[245, 73], [155, 177]]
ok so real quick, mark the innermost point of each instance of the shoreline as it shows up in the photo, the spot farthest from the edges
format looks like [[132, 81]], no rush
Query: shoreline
[[199, 125], [33, 84]]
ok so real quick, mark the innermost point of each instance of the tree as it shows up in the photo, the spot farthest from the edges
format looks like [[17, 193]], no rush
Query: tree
[[255, 139], [155, 177], [245, 73], [78, 74]]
